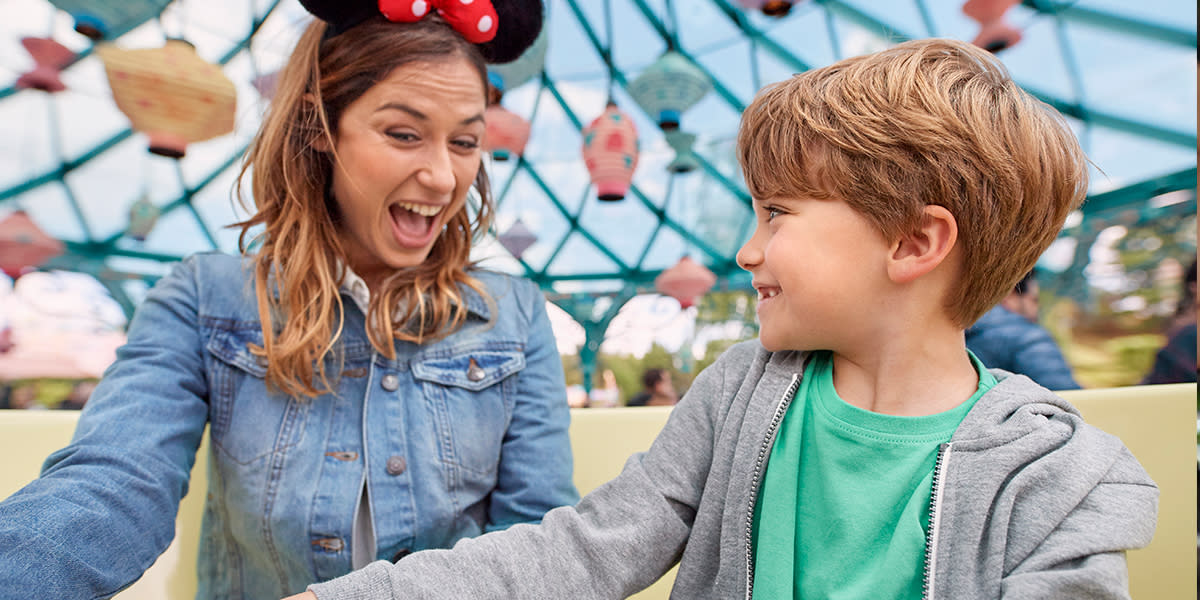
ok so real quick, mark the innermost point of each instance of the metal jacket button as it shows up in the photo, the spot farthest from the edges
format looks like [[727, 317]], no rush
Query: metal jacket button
[[396, 465], [390, 383], [475, 372]]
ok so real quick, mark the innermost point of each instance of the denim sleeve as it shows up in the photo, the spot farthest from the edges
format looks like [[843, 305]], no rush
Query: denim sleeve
[[535, 470], [1039, 358], [104, 507]]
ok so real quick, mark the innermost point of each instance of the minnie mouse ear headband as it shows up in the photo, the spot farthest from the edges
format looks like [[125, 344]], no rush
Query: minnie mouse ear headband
[[501, 29]]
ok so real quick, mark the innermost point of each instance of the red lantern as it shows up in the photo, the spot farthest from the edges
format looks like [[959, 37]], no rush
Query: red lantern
[[49, 58], [994, 33], [507, 132], [771, 8], [685, 282], [610, 152], [171, 94], [23, 245]]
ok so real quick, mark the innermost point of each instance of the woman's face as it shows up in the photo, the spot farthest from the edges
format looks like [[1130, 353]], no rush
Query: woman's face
[[409, 149]]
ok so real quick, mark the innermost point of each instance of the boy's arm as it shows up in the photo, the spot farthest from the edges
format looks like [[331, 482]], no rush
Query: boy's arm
[[619, 539], [1084, 556]]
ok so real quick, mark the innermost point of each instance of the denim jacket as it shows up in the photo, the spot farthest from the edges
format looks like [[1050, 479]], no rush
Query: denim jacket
[[452, 438]]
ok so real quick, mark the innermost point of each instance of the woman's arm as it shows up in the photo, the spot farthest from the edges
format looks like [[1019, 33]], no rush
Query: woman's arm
[[104, 507], [535, 470]]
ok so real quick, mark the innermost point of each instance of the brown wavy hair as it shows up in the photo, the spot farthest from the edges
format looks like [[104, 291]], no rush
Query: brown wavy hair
[[927, 122], [297, 275]]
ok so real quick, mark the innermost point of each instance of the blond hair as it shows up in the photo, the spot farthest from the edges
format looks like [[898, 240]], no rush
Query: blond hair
[[927, 122], [297, 273]]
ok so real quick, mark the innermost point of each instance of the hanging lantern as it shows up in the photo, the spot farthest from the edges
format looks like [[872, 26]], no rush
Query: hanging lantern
[[771, 8], [171, 94], [49, 59], [265, 84], [517, 239], [610, 153], [506, 76], [668, 87], [99, 19], [685, 160], [143, 214], [994, 33], [507, 132], [23, 245], [685, 282]]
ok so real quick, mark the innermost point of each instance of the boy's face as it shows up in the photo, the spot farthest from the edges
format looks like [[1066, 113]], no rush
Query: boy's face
[[818, 267]]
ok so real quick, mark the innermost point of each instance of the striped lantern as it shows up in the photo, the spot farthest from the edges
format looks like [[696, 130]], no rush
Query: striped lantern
[[49, 58], [668, 87], [771, 8], [994, 33], [507, 132], [23, 245], [171, 94], [506, 76], [685, 282], [99, 19], [610, 153]]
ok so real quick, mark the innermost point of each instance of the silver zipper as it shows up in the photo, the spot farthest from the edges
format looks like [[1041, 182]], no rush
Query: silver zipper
[[754, 483], [935, 519]]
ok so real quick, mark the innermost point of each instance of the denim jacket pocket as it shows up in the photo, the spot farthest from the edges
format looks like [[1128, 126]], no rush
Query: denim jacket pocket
[[246, 421], [471, 392]]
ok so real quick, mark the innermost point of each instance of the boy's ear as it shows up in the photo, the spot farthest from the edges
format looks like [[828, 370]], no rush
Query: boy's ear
[[918, 252]]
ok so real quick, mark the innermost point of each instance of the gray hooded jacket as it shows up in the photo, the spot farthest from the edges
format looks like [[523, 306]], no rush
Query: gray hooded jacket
[[1028, 502]]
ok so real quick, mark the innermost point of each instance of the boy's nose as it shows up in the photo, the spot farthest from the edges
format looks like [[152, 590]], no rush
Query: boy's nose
[[749, 256]]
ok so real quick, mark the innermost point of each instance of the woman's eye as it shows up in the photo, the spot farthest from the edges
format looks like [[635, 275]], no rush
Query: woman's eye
[[402, 136], [466, 144]]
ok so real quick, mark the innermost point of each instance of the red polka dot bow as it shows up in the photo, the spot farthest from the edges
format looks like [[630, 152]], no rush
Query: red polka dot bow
[[474, 19]]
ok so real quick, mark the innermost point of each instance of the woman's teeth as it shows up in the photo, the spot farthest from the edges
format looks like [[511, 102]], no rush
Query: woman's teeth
[[425, 210]]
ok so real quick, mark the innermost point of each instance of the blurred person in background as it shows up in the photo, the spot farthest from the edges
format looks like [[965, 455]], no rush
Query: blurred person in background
[[1176, 362], [657, 390], [368, 391], [1008, 337]]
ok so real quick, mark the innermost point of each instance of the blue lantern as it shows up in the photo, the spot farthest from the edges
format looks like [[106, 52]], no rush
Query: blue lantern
[[685, 160], [143, 214], [100, 19], [668, 87]]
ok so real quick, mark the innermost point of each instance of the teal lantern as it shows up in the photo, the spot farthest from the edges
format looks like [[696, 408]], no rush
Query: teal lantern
[[507, 76], [668, 87], [685, 160], [100, 19], [143, 214]]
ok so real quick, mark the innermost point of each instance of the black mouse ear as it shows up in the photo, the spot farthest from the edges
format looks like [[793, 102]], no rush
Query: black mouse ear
[[341, 14], [519, 22]]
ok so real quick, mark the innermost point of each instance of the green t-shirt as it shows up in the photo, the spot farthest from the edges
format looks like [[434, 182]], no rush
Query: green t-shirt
[[844, 504]]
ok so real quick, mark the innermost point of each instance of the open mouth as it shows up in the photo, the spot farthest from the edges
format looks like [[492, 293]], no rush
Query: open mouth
[[412, 223]]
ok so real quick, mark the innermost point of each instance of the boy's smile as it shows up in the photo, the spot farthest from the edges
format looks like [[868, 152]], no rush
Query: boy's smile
[[817, 266]]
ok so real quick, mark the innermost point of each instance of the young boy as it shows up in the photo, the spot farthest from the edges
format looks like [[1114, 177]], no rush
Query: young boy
[[857, 449]]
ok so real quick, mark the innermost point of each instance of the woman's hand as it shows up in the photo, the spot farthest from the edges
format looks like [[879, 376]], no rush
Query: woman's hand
[[302, 596]]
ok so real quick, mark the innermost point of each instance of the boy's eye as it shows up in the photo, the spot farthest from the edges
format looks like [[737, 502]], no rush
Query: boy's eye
[[772, 212]]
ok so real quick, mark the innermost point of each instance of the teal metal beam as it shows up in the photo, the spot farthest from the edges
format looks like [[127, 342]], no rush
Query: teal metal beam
[[1139, 192], [1175, 137], [1178, 36]]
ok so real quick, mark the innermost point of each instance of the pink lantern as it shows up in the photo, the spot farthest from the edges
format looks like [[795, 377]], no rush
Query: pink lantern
[[507, 132], [171, 94], [610, 152], [23, 245], [49, 58], [771, 8], [994, 33], [685, 282]]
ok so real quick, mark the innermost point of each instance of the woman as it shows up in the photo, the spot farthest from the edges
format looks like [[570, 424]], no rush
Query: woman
[[368, 393]]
